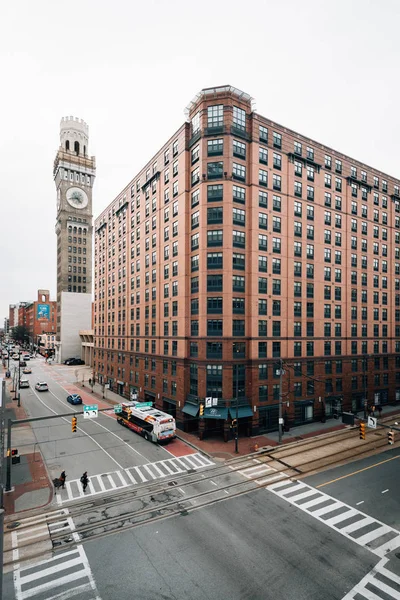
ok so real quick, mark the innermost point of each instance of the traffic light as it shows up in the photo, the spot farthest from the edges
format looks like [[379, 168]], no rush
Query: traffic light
[[201, 410], [128, 412], [362, 431], [390, 437], [74, 424]]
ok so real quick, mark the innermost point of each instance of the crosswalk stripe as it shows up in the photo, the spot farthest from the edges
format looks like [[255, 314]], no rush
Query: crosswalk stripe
[[50, 570], [142, 477], [165, 466], [131, 477], [387, 547], [332, 521], [112, 482], [294, 488], [122, 478], [357, 525], [312, 503], [101, 483], [373, 535], [178, 460], [327, 509], [302, 495], [52, 584], [156, 468], [148, 470], [71, 592]]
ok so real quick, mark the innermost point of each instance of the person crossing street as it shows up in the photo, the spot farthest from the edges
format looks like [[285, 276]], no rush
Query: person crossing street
[[84, 481]]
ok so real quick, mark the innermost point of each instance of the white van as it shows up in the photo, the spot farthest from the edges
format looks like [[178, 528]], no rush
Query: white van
[[24, 383]]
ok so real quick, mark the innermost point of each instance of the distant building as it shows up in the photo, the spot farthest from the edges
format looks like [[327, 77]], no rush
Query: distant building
[[12, 316], [40, 316], [74, 173]]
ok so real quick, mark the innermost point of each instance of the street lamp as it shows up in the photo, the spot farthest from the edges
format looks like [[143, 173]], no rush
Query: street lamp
[[17, 388]]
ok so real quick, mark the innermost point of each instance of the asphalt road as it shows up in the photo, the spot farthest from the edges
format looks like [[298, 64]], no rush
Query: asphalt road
[[371, 485], [100, 445], [246, 548], [255, 547]]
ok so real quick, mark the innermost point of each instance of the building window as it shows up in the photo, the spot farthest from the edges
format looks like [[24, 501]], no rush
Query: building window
[[239, 118], [215, 116]]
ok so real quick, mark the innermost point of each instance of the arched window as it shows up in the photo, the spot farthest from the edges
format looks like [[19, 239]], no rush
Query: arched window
[[76, 147], [67, 145], [75, 230]]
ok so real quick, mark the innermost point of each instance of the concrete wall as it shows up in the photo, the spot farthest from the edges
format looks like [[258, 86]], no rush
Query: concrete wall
[[76, 314]]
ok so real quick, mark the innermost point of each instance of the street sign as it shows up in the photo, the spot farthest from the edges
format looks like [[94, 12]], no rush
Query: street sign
[[143, 404], [208, 402], [372, 422], [118, 409], [90, 411]]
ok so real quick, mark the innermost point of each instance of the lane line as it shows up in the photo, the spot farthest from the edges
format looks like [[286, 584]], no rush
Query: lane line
[[79, 429], [384, 491], [382, 462], [358, 503]]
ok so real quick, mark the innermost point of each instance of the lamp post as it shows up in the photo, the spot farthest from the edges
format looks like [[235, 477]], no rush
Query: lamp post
[[280, 418], [17, 388], [237, 411], [365, 363]]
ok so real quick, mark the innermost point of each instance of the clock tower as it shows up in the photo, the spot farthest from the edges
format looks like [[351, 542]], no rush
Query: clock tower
[[74, 173]]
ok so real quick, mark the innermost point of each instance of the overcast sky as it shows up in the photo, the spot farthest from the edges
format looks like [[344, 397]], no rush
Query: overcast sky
[[329, 70]]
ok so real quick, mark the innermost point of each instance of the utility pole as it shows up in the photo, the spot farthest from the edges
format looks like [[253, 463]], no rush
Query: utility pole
[[365, 386], [237, 411], [280, 400]]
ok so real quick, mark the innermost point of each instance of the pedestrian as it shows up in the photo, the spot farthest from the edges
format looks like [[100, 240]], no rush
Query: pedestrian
[[63, 477], [84, 481]]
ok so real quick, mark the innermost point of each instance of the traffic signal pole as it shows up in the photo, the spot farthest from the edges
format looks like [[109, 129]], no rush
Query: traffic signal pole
[[12, 422]]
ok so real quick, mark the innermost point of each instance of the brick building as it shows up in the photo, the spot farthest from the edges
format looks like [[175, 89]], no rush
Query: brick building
[[40, 316], [241, 243]]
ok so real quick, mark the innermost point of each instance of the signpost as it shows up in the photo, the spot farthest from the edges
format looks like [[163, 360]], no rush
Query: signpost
[[118, 409], [90, 411], [143, 404], [372, 422]]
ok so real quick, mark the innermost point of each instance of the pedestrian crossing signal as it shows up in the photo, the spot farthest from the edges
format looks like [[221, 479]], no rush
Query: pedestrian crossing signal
[[362, 431], [74, 424], [390, 437], [234, 423], [201, 410]]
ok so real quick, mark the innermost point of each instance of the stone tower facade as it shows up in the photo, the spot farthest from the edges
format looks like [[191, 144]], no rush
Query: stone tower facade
[[74, 173]]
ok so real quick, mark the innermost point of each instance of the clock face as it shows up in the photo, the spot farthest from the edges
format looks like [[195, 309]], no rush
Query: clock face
[[77, 197]]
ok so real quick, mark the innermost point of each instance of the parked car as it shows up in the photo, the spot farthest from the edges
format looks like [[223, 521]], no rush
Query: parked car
[[15, 357], [74, 399], [27, 371], [42, 386], [22, 363], [74, 361], [26, 357], [24, 383]]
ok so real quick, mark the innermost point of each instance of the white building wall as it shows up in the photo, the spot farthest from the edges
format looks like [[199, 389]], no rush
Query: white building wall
[[76, 314]]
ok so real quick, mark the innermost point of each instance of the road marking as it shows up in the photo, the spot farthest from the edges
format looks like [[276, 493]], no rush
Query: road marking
[[213, 482], [361, 502], [350, 522], [384, 491], [359, 471], [361, 589], [72, 565], [79, 429]]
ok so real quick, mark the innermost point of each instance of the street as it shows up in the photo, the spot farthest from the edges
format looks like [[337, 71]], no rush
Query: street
[[250, 547], [207, 531], [99, 446]]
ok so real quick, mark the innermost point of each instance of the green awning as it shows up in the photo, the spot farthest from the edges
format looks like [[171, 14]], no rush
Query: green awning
[[216, 413], [243, 411], [191, 409]]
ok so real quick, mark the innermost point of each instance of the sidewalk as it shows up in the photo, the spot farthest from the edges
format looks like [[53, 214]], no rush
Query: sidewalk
[[31, 487], [219, 449]]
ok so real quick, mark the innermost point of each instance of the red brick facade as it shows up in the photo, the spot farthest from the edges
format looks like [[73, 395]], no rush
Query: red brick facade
[[242, 242]]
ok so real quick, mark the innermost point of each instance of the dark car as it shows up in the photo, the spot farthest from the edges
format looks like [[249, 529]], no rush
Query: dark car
[[74, 399], [22, 363], [74, 361]]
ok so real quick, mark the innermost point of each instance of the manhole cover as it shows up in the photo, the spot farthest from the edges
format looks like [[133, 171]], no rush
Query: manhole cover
[[13, 525], [172, 483], [62, 453], [104, 475]]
